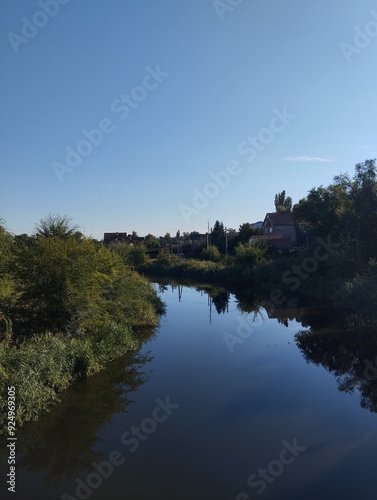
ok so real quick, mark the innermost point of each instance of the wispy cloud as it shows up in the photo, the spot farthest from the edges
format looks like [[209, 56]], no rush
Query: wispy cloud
[[306, 158]]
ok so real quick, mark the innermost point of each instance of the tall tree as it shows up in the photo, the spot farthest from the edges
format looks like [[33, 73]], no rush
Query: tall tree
[[283, 203], [56, 225], [218, 236], [364, 197]]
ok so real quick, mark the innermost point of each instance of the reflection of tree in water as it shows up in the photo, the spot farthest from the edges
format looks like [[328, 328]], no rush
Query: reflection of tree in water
[[217, 296], [248, 303], [62, 442], [350, 357], [251, 304], [283, 321], [161, 287], [220, 299]]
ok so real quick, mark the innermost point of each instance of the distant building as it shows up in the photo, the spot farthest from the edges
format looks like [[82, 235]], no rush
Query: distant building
[[279, 229], [122, 238]]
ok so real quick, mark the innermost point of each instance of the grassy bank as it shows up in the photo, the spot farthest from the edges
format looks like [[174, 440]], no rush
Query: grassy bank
[[42, 367], [191, 269]]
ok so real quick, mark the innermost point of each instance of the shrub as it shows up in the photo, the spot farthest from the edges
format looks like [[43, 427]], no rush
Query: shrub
[[253, 254], [212, 253]]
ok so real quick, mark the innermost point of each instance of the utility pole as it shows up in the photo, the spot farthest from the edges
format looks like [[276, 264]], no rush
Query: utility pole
[[208, 234], [208, 240]]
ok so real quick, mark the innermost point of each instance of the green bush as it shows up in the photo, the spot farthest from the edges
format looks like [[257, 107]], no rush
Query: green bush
[[71, 286], [73, 306], [251, 255], [212, 253], [132, 255]]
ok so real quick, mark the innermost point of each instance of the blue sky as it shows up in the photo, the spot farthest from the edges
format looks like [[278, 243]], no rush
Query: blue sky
[[179, 91]]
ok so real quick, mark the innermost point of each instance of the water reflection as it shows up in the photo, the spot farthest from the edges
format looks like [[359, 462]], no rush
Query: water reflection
[[349, 356], [218, 298], [85, 408], [65, 441]]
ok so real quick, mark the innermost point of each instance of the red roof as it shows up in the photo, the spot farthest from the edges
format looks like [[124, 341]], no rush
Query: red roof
[[280, 218]]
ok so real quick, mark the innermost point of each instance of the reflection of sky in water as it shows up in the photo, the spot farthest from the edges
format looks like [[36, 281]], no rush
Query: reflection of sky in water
[[235, 410]]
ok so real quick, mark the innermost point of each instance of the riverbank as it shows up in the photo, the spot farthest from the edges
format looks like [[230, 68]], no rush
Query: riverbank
[[43, 366], [327, 280]]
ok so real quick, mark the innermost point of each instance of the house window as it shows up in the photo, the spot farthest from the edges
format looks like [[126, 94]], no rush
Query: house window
[[270, 230]]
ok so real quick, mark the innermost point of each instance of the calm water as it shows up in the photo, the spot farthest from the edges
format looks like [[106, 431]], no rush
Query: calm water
[[226, 401]]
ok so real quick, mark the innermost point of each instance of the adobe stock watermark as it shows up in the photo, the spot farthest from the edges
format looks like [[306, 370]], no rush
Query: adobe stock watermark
[[248, 148], [122, 108], [222, 7], [299, 273], [263, 477], [244, 331], [362, 38], [84, 488], [30, 27]]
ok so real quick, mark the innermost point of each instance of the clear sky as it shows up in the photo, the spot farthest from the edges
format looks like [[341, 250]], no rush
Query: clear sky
[[276, 94]]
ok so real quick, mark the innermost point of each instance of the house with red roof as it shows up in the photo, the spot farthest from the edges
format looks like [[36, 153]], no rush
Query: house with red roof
[[279, 229]]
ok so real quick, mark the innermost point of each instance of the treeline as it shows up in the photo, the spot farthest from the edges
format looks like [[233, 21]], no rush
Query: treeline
[[346, 211], [68, 305]]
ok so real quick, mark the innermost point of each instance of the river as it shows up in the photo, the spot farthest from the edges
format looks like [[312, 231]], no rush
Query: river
[[228, 399]]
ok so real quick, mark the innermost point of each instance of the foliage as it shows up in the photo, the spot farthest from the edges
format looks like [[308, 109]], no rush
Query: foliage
[[174, 266], [359, 294], [166, 241], [58, 226], [245, 232], [65, 285], [151, 241], [194, 235], [132, 255], [137, 256], [345, 209], [73, 305], [193, 251], [218, 236], [166, 259], [43, 366], [253, 254], [6, 282], [283, 203], [212, 253]]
